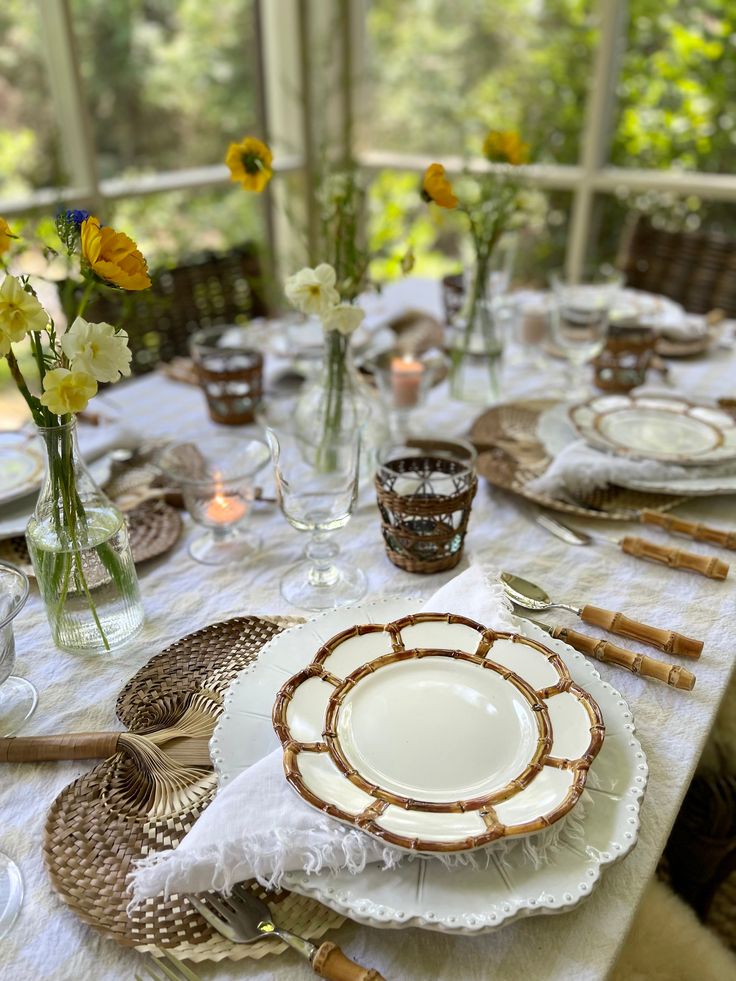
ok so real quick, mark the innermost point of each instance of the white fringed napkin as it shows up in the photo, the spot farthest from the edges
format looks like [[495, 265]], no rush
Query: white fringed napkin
[[579, 468], [259, 828]]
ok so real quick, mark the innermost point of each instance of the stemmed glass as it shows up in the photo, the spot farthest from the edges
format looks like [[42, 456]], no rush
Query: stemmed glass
[[579, 319], [17, 702], [319, 499], [215, 474]]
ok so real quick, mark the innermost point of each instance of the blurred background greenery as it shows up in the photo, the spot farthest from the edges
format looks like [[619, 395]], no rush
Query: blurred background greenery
[[169, 83]]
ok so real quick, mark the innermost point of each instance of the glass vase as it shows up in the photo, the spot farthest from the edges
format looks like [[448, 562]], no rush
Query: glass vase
[[78, 543], [336, 404], [476, 339]]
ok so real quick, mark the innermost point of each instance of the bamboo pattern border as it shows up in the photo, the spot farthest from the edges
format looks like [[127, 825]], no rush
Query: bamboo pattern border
[[330, 744], [599, 414]]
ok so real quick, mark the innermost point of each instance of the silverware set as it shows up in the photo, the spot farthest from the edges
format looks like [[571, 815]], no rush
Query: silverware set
[[528, 596]]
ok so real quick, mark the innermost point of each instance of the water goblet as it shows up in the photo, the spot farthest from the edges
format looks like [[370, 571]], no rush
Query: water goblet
[[317, 487], [18, 697], [215, 474], [17, 702], [579, 320]]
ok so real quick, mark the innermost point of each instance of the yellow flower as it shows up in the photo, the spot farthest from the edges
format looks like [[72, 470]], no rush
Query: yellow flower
[[250, 163], [436, 187], [6, 236], [505, 146], [113, 256], [20, 313], [67, 391]]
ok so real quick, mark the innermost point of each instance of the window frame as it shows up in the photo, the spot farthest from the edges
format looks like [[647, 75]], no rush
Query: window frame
[[286, 32]]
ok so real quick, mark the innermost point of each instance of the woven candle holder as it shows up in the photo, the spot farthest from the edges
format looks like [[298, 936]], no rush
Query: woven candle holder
[[425, 492], [229, 373], [623, 363]]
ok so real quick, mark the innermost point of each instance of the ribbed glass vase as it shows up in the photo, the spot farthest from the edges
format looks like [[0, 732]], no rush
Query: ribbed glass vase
[[78, 543]]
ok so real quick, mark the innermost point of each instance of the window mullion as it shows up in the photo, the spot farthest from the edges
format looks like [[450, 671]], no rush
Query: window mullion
[[597, 130], [77, 143]]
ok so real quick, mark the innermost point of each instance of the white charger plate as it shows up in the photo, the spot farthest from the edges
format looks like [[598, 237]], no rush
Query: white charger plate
[[657, 427], [423, 892]]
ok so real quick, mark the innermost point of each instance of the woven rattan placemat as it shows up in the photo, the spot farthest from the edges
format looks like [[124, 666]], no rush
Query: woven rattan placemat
[[154, 527], [94, 833], [510, 455]]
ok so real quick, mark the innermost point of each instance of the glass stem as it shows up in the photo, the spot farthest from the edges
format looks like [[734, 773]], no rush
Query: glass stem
[[321, 551]]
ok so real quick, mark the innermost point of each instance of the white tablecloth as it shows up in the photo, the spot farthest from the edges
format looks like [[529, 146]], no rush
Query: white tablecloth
[[78, 693]]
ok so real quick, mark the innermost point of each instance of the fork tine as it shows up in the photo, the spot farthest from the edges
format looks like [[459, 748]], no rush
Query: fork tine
[[220, 921]]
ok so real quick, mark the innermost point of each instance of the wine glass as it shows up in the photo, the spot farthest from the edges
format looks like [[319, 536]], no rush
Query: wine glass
[[17, 702], [579, 319], [215, 474], [319, 499]]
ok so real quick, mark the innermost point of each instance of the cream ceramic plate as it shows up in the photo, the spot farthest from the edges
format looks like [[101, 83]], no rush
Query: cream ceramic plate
[[664, 428], [467, 899], [437, 735], [22, 466]]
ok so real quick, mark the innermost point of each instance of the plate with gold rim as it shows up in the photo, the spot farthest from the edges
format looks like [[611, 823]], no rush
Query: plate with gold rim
[[437, 734], [657, 427]]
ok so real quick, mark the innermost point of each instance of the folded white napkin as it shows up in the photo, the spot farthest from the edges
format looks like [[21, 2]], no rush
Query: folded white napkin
[[579, 469], [258, 827]]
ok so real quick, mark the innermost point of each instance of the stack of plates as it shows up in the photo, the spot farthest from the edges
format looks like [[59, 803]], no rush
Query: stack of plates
[[698, 441], [439, 736]]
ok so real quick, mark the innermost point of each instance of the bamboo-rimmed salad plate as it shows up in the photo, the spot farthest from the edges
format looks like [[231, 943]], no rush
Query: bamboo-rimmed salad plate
[[657, 427], [436, 734]]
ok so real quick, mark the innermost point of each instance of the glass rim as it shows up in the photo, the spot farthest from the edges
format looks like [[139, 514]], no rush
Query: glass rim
[[207, 481], [25, 589], [62, 425], [442, 449]]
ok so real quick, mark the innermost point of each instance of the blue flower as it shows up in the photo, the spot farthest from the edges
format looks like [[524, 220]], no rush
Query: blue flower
[[68, 223], [76, 216]]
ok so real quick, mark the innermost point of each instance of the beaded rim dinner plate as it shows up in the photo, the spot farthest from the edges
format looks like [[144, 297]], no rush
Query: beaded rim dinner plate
[[471, 897], [22, 468], [437, 734], [657, 427]]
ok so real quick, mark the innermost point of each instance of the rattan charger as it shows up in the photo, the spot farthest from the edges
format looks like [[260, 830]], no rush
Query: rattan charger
[[510, 456], [96, 830]]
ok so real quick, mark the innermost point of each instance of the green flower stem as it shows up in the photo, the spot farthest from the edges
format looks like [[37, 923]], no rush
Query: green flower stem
[[37, 410], [85, 297], [67, 521]]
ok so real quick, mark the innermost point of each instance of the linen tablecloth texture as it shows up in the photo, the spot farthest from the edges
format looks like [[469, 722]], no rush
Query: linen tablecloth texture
[[78, 694]]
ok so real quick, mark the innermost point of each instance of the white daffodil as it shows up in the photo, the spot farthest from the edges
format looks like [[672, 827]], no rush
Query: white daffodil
[[67, 391], [312, 291], [343, 318], [97, 349], [20, 313]]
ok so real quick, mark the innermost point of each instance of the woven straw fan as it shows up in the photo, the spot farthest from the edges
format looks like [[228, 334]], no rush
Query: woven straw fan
[[170, 762]]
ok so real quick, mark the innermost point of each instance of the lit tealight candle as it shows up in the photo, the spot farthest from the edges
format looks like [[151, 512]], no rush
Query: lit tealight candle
[[224, 509], [406, 381]]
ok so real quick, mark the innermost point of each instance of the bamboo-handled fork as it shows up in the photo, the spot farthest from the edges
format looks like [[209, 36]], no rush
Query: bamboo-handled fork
[[243, 918]]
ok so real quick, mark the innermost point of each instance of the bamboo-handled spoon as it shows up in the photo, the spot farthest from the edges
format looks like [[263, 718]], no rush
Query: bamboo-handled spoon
[[527, 594]]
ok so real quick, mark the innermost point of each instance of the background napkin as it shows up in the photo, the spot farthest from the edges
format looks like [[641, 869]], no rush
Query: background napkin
[[579, 468], [258, 827]]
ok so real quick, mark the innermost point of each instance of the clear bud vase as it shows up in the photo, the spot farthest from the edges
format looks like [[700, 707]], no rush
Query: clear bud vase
[[336, 406], [476, 342], [81, 555]]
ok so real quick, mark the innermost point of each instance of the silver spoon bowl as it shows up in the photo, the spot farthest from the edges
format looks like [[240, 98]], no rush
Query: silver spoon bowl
[[528, 595]]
